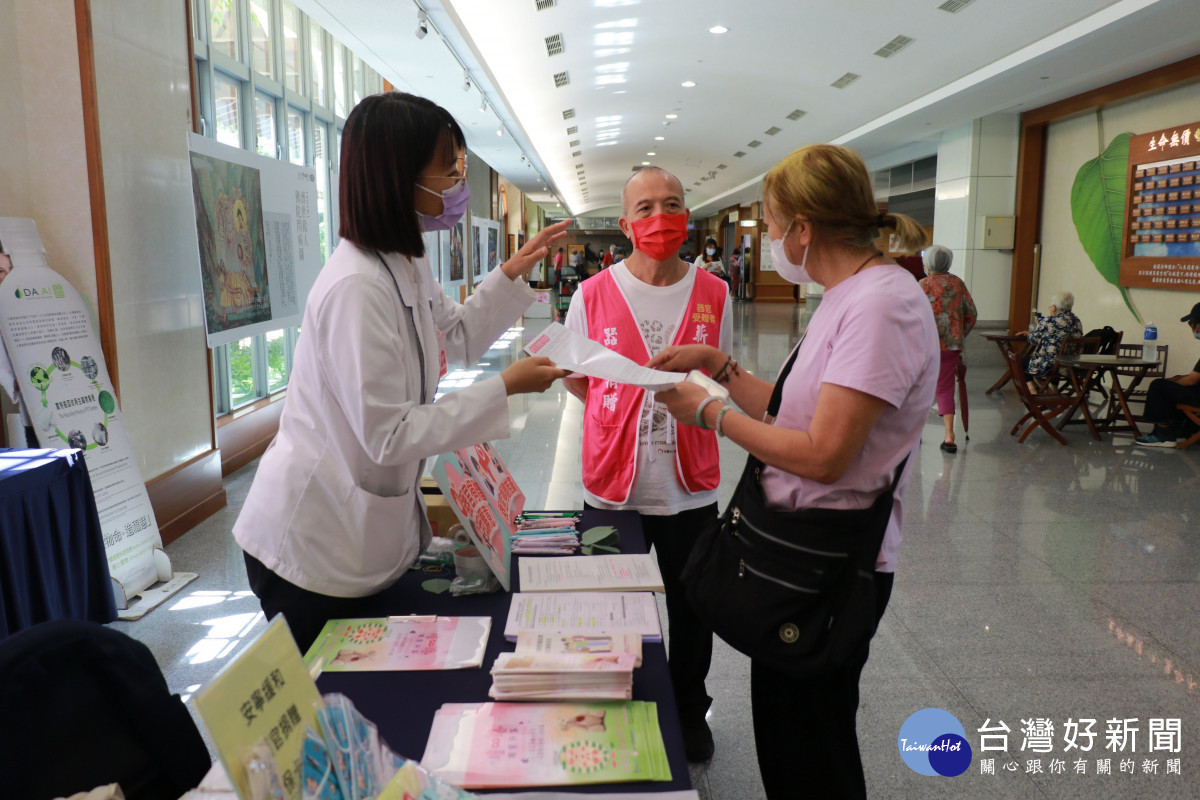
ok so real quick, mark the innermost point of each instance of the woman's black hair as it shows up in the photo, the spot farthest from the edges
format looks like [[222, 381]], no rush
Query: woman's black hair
[[388, 140]]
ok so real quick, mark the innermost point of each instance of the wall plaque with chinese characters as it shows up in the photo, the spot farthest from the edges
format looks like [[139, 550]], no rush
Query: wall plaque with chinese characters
[[1161, 242], [265, 695]]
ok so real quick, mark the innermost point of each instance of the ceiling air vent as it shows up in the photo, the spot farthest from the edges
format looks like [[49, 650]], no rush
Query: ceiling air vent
[[571, 131], [755, 143], [795, 115], [771, 131], [542, 5], [574, 143], [554, 45], [638, 168], [685, 191], [894, 46], [578, 167], [722, 166], [576, 154], [845, 80], [569, 114], [954, 6], [739, 154], [561, 79]]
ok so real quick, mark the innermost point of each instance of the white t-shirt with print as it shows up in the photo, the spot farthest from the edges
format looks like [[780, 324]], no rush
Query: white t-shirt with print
[[658, 311]]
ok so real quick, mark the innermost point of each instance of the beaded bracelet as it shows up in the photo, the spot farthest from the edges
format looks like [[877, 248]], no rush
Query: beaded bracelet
[[700, 411], [727, 372], [717, 427]]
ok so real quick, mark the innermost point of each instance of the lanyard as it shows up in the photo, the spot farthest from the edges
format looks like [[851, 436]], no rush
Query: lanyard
[[412, 322]]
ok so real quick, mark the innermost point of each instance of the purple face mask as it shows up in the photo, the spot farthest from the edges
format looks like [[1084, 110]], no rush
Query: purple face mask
[[454, 205]]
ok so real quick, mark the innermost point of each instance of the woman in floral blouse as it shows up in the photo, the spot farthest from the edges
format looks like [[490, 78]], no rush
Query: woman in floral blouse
[[1045, 338], [954, 311]]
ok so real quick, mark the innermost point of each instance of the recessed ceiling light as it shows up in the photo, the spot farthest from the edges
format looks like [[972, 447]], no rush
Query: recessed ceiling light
[[645, 163], [688, 84], [718, 29], [651, 154], [672, 116], [659, 138]]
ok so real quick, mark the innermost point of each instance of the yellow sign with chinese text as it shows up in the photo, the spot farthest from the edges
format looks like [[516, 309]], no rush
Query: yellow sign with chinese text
[[265, 695]]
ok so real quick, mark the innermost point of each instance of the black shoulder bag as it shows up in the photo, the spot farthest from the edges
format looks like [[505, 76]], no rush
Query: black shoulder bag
[[794, 590]]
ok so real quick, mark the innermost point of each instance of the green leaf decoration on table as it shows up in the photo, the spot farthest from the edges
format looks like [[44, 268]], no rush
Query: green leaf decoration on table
[[436, 585], [597, 534], [1098, 210]]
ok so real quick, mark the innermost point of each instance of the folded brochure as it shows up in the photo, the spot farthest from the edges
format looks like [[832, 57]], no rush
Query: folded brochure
[[501, 745], [584, 613], [400, 643]]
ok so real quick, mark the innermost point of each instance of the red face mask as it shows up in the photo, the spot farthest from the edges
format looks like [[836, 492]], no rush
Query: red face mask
[[659, 236]]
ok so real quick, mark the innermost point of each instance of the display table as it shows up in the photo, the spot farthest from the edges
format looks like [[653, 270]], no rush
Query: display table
[[1086, 371], [402, 704], [52, 561]]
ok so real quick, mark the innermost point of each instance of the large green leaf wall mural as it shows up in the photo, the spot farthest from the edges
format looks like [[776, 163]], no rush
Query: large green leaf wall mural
[[1098, 210]]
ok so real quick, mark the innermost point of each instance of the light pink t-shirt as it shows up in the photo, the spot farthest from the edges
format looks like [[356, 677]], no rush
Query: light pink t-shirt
[[875, 333]]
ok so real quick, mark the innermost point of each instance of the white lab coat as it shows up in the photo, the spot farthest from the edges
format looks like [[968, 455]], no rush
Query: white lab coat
[[335, 506]]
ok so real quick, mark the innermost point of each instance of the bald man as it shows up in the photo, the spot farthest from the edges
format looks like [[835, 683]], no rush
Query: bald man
[[634, 456]]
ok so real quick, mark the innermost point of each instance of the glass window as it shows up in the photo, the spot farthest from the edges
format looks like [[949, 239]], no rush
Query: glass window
[[241, 372], [321, 164], [260, 39], [229, 126], [291, 47], [277, 360], [295, 136], [339, 80], [223, 28], [316, 49], [359, 79], [264, 125]]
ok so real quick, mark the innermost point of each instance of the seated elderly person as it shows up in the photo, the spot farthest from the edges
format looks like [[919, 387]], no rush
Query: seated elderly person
[[1164, 394], [1046, 337]]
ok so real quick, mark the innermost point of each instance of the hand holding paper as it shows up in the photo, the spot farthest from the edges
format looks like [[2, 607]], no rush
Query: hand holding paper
[[579, 354]]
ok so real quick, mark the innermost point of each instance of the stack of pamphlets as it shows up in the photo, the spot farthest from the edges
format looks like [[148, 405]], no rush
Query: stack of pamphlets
[[399, 643], [585, 613], [616, 573], [546, 533], [485, 745], [562, 676], [604, 644]]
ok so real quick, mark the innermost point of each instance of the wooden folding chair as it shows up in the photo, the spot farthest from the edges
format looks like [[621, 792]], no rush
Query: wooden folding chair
[[1040, 407], [1192, 413], [1137, 394], [1058, 377]]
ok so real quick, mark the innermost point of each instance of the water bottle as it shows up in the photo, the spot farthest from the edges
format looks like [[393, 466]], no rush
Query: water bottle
[[1150, 343]]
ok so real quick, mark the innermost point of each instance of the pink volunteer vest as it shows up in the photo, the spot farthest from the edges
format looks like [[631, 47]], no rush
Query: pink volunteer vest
[[610, 430]]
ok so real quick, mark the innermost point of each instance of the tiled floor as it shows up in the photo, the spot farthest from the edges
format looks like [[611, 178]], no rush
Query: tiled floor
[[1037, 582]]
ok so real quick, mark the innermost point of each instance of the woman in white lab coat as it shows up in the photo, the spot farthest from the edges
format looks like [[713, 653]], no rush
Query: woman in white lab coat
[[335, 514]]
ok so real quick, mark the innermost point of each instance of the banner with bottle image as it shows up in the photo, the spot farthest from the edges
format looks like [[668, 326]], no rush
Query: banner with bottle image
[[64, 386]]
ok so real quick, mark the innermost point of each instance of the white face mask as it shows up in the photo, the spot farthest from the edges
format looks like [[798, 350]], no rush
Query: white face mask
[[792, 273], [712, 251]]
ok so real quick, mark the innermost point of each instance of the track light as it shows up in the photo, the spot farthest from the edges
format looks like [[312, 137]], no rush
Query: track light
[[482, 105], [500, 130], [466, 81], [422, 24]]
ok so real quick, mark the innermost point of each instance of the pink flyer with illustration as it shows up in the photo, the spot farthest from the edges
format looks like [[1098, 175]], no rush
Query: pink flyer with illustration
[[485, 745]]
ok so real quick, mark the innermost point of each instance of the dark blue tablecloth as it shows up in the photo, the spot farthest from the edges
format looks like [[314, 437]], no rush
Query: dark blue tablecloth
[[52, 561], [402, 704]]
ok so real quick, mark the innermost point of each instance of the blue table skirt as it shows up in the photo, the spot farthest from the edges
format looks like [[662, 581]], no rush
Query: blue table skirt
[[402, 704], [52, 561]]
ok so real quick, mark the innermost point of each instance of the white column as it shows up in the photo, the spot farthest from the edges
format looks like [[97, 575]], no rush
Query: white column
[[976, 177]]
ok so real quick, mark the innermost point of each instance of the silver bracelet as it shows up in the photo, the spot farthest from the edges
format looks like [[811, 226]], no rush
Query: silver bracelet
[[717, 427]]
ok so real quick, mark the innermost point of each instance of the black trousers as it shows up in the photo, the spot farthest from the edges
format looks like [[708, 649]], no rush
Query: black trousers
[[805, 729], [689, 652], [306, 612], [1161, 398]]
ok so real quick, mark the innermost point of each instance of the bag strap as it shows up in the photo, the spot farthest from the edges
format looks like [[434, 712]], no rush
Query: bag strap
[[777, 392], [754, 465]]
